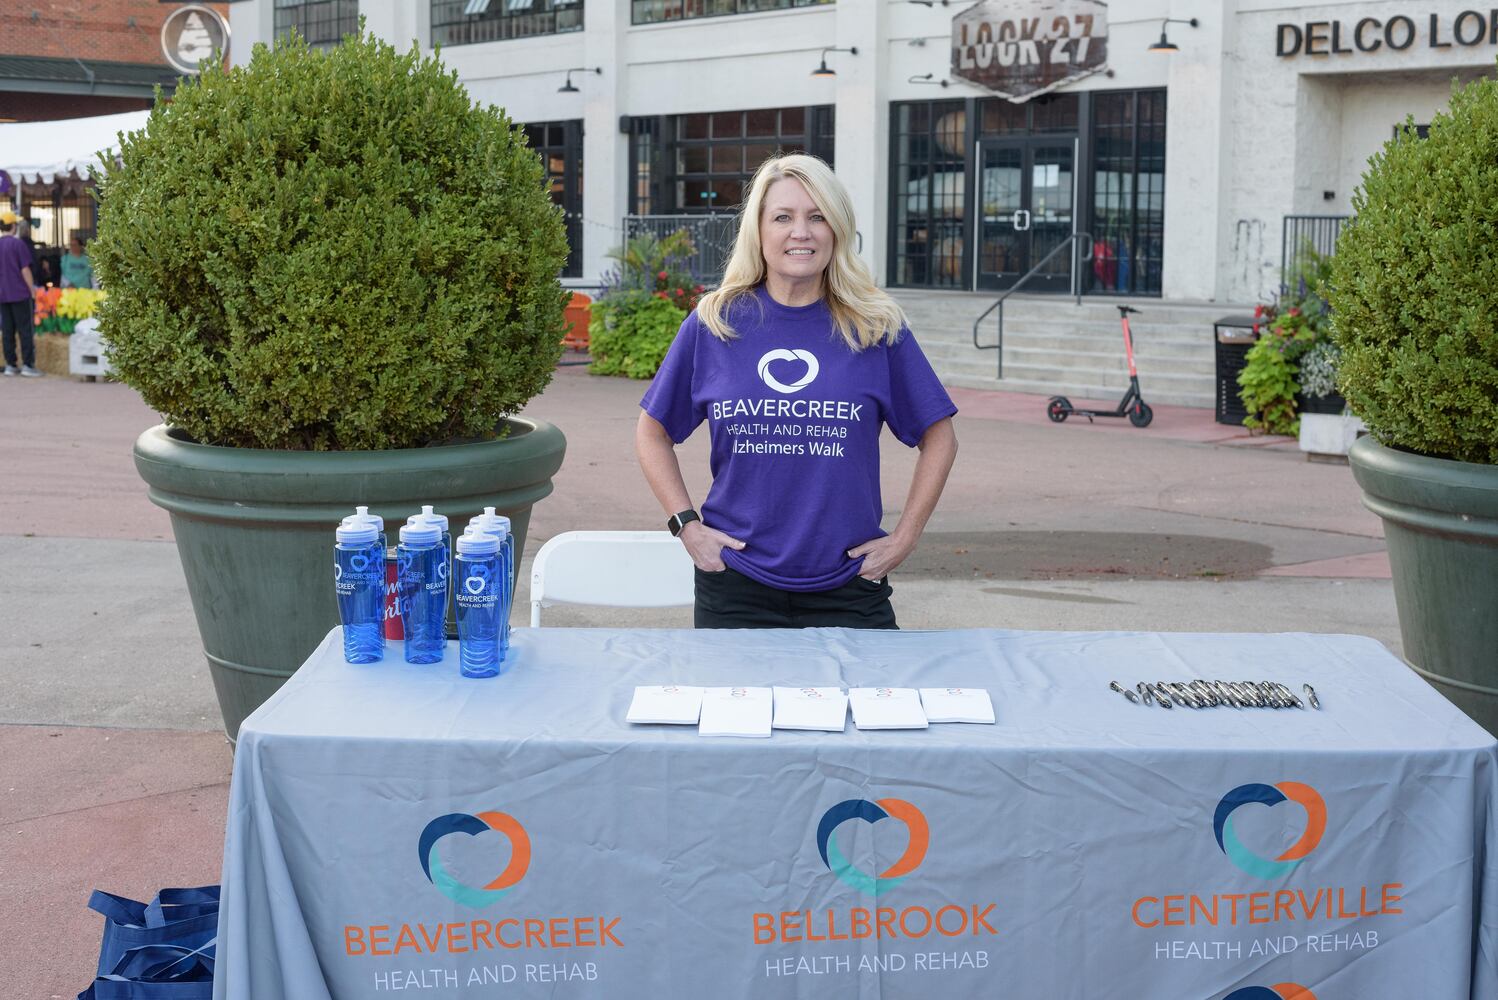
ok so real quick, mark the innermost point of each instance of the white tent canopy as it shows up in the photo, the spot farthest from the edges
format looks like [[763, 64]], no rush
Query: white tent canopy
[[41, 152]]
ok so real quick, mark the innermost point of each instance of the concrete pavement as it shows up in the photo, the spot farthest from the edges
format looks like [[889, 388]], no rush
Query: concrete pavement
[[113, 772]]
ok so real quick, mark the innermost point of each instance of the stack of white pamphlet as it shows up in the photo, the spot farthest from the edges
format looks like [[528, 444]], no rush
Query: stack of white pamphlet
[[957, 705], [735, 711], [823, 708], [673, 704], [887, 708]]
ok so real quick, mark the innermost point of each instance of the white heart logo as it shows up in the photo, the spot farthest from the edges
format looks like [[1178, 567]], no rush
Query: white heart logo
[[337, 572], [781, 354], [359, 562], [474, 584], [442, 571]]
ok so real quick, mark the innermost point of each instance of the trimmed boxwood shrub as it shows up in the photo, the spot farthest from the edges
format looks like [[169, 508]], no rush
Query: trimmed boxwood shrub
[[330, 250], [1415, 286]]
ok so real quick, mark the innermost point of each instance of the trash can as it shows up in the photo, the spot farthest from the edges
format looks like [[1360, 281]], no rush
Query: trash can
[[1234, 336]]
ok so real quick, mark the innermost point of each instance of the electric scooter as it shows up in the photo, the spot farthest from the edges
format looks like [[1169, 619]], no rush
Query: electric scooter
[[1133, 406]]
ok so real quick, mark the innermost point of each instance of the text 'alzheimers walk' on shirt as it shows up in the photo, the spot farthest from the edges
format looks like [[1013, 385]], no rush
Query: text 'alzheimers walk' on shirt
[[794, 416]]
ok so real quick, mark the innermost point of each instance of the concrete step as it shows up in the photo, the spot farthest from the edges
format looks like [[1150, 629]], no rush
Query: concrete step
[[1088, 354], [1078, 391], [1054, 346]]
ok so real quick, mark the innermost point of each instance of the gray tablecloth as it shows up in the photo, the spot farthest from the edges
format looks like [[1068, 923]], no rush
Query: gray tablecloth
[[399, 828]]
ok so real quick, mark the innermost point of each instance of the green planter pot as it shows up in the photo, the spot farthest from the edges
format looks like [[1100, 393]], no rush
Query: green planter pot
[[254, 530], [1441, 523]]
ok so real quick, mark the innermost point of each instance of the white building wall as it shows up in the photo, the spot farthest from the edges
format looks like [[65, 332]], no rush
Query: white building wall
[[1251, 136]]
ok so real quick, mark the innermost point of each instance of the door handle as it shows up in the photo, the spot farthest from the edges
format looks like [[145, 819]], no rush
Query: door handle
[[1021, 220]]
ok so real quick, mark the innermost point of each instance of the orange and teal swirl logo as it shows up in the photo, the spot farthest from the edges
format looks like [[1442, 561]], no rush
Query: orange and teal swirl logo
[[493, 892], [1270, 795], [873, 812], [1280, 991]]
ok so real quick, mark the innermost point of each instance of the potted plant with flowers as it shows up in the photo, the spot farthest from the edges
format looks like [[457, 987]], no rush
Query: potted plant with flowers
[[645, 298], [1414, 298], [336, 279]]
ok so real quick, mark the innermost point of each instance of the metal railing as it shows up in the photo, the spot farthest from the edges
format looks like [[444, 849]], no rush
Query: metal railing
[[712, 237], [1068, 243], [1318, 232]]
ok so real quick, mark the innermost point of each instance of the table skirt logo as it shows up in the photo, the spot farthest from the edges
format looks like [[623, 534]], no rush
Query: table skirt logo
[[1280, 991], [781, 354], [873, 812], [1269, 795], [493, 892]]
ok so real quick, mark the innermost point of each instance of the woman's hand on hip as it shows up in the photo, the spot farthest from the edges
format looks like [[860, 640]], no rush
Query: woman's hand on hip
[[881, 556], [705, 545]]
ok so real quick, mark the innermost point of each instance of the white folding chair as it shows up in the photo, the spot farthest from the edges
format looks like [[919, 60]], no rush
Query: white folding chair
[[619, 569]]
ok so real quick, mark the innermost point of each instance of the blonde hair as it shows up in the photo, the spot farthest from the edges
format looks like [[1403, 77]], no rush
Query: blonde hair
[[863, 313]]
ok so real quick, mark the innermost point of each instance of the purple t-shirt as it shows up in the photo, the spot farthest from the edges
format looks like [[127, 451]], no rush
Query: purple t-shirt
[[795, 417], [14, 255]]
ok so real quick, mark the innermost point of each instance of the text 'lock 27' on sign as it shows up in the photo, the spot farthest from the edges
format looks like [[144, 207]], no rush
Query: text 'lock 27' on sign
[[1021, 49]]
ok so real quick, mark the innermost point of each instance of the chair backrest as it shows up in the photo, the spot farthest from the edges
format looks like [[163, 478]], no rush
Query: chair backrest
[[620, 569]]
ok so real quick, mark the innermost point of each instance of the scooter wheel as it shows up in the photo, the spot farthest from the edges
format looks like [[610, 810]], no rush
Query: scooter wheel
[[1058, 409], [1141, 414]]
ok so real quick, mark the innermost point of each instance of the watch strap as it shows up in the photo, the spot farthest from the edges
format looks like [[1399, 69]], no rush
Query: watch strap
[[676, 522]]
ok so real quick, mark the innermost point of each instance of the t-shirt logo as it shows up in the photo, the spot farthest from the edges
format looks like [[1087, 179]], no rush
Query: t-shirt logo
[[781, 354]]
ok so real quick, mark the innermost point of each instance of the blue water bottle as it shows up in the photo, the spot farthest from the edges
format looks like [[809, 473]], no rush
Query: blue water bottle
[[479, 598], [498, 525], [361, 515], [421, 561], [359, 578]]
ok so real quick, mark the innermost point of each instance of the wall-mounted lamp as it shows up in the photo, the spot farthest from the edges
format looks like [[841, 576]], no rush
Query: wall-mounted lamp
[[929, 78], [568, 88], [1165, 44], [823, 70]]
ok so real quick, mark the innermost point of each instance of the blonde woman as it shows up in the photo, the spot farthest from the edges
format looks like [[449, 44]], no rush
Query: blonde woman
[[796, 362]]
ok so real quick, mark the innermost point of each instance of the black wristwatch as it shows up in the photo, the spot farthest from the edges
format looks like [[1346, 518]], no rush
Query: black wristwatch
[[678, 521]]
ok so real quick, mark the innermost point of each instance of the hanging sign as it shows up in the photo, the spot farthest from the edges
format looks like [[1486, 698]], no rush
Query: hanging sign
[[1021, 49], [191, 34]]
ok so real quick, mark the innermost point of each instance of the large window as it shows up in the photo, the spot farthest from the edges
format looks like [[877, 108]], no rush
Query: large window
[[654, 11], [1128, 192], [928, 141], [320, 22], [702, 162], [463, 22], [560, 145]]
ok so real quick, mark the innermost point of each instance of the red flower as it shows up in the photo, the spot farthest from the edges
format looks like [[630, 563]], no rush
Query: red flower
[[1294, 311], [662, 275]]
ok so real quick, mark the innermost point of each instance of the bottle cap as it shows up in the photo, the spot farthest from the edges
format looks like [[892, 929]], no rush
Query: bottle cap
[[428, 516], [477, 543], [354, 532], [420, 534], [490, 523], [361, 515]]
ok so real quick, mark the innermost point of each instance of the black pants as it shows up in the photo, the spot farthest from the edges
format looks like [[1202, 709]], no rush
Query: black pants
[[15, 319], [731, 600]]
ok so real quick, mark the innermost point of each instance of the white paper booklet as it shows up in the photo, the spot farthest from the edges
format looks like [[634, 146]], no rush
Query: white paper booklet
[[957, 705], [735, 711], [823, 708], [887, 708], [673, 704]]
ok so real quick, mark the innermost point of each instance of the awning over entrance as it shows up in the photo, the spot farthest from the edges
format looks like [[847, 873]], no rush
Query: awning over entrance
[[45, 152]]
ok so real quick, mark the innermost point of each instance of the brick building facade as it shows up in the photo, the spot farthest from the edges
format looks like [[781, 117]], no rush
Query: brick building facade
[[75, 58]]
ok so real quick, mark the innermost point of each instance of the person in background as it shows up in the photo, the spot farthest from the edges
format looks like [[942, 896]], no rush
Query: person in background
[[77, 269], [17, 291], [797, 361]]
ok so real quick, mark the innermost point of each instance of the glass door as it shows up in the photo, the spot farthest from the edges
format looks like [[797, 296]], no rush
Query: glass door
[[1026, 195]]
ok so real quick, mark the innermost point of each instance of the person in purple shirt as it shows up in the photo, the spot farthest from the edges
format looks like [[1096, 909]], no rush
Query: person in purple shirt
[[17, 287], [797, 361]]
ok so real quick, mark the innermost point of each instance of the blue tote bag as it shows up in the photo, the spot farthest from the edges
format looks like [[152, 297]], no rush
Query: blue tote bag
[[161, 950]]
